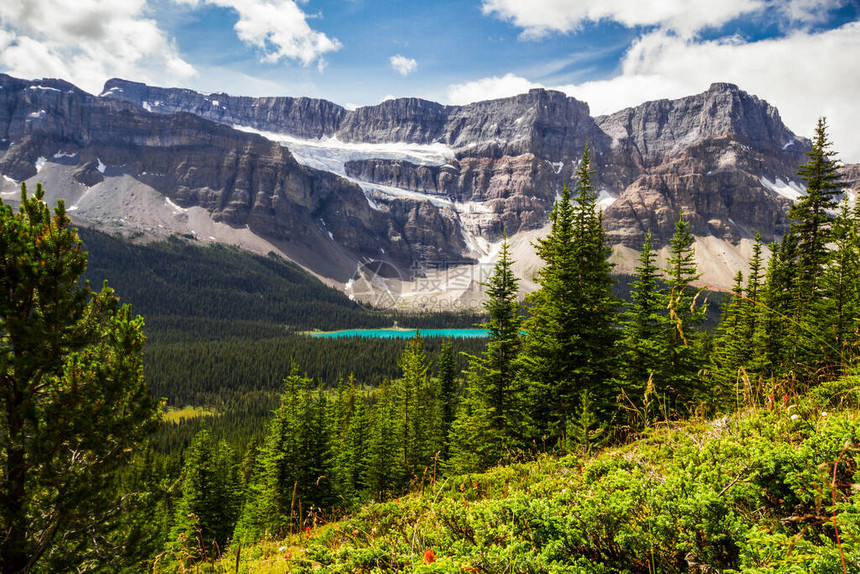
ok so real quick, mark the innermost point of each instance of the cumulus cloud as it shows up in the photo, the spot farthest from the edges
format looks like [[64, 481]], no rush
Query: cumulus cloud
[[86, 42], [489, 89], [403, 65], [279, 29], [686, 17], [804, 75]]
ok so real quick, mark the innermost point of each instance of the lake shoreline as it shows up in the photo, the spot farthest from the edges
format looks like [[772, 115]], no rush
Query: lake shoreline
[[397, 333]]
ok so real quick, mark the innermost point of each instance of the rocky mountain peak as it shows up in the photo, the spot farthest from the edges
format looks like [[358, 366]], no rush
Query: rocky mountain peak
[[410, 179]]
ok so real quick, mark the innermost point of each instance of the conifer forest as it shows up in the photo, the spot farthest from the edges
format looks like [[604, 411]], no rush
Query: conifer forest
[[164, 410]]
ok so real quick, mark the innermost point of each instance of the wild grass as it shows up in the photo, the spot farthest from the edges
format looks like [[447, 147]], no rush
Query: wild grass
[[186, 413]]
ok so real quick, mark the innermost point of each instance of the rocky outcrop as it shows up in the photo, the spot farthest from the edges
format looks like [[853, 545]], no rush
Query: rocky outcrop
[[709, 156], [723, 158], [241, 179], [302, 117], [706, 155]]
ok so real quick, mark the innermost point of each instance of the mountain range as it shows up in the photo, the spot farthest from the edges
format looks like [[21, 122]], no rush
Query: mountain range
[[426, 189]]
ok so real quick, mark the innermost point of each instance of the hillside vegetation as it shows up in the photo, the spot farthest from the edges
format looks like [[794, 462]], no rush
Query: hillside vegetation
[[768, 489]]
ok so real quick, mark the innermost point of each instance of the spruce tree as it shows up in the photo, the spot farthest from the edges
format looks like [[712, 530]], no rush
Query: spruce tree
[[646, 326], [293, 465], [494, 423], [840, 288], [776, 338], [342, 411], [207, 509], [571, 334], [414, 409], [449, 392], [686, 313], [357, 446], [812, 223], [384, 469], [731, 345]]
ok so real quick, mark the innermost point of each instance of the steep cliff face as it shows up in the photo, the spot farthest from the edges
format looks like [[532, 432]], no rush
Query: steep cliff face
[[302, 117], [514, 153], [410, 180], [723, 157], [240, 179]]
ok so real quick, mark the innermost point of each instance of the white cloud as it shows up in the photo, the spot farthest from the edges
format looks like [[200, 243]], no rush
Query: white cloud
[[403, 65], [540, 17], [278, 28], [489, 89], [804, 75], [86, 42]]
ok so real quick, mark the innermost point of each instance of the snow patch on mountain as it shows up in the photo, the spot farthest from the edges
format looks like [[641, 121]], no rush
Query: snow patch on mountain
[[790, 190], [605, 199], [331, 154]]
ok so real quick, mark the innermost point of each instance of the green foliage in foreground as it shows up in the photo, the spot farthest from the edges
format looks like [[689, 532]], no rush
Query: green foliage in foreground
[[763, 491]]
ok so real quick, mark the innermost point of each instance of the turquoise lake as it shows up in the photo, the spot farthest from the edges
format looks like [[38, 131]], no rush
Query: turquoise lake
[[402, 333]]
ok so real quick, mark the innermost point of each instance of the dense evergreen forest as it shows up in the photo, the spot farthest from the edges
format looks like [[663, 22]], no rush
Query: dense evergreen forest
[[307, 432]]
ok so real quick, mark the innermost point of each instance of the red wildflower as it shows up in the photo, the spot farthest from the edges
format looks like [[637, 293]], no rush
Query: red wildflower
[[307, 532], [429, 557]]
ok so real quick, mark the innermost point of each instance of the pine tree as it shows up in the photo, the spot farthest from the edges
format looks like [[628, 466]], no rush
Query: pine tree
[[494, 423], [812, 224], [449, 392], [208, 507], [686, 314], [73, 401], [646, 326], [571, 334], [293, 465]]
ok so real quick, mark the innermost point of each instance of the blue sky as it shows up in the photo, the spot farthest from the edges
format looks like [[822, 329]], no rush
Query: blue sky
[[803, 56]]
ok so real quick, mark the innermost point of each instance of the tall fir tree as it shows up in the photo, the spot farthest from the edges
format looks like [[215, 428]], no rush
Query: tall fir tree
[[293, 465], [812, 223], [208, 507], [449, 392], [687, 313], [572, 332], [797, 335], [646, 326], [494, 423]]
